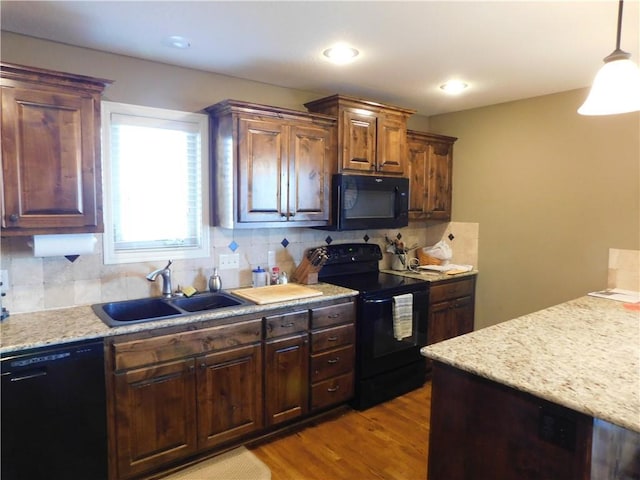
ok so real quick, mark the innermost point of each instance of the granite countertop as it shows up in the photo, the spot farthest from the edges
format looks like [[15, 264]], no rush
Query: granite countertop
[[50, 327], [583, 354], [430, 276]]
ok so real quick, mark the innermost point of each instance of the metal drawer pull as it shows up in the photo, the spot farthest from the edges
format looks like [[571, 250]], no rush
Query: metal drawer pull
[[334, 389], [287, 325], [335, 315], [332, 339], [333, 360]]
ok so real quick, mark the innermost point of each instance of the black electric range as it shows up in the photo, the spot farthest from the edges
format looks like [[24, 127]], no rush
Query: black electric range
[[385, 366]]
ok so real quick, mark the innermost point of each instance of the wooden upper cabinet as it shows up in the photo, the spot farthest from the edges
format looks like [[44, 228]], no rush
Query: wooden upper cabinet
[[430, 175], [271, 165], [50, 152], [372, 137]]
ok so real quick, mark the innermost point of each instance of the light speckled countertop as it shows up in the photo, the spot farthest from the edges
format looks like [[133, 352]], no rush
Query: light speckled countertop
[[430, 276], [49, 327], [583, 354]]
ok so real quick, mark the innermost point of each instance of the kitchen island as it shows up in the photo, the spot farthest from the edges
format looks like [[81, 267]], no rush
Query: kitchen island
[[551, 395]]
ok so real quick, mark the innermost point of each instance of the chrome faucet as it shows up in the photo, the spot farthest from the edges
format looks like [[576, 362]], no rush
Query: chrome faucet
[[166, 279]]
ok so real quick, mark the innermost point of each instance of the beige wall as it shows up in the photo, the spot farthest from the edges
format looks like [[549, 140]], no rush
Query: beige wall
[[552, 192]]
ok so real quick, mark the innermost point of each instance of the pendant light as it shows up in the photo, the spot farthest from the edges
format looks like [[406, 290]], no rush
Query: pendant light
[[616, 88]]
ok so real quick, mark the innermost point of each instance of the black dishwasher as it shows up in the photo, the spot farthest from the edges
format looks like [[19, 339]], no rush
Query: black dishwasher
[[53, 407]]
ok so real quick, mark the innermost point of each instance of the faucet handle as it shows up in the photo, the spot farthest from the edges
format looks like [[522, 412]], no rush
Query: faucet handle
[[169, 264]]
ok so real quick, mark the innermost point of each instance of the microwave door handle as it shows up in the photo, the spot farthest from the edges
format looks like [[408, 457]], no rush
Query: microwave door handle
[[398, 206]]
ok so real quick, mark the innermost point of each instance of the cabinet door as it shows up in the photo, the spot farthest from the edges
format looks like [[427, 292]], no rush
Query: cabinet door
[[287, 378], [229, 395], [155, 416], [417, 169], [439, 182], [392, 145], [262, 171], [450, 319], [51, 166], [440, 326], [358, 141], [463, 313], [311, 163]]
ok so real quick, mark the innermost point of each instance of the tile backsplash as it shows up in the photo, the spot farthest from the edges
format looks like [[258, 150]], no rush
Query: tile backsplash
[[37, 283], [624, 269]]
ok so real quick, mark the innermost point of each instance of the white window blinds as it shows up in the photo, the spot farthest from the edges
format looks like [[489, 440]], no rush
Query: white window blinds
[[155, 183]]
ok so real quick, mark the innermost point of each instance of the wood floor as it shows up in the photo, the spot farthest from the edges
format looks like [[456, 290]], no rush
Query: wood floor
[[388, 441]]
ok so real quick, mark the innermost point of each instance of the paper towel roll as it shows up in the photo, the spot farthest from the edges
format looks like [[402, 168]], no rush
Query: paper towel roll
[[63, 245]]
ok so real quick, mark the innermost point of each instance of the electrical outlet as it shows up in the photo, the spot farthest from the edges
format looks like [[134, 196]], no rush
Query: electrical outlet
[[229, 262], [4, 278]]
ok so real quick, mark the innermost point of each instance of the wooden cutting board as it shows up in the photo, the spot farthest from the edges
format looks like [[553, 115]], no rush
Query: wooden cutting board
[[276, 293]]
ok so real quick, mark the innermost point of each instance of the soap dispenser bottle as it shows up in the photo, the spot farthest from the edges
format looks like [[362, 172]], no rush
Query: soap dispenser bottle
[[215, 283]]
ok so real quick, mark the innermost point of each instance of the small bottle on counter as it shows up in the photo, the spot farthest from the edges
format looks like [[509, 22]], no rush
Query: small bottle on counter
[[215, 282], [282, 279], [275, 275]]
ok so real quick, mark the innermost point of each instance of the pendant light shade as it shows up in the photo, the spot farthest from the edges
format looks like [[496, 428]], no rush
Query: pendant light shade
[[616, 88]]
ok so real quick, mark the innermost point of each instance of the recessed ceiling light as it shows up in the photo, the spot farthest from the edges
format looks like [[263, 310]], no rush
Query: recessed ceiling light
[[176, 41], [453, 87], [341, 54]]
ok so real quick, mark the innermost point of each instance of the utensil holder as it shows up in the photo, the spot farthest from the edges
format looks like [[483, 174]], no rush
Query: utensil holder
[[306, 273]]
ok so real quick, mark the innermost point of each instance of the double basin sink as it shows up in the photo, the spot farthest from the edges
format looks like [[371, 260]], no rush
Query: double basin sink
[[126, 312]]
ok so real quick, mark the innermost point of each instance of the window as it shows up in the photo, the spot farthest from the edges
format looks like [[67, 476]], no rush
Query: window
[[155, 177]]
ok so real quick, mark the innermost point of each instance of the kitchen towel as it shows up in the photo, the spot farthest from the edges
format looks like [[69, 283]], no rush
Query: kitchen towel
[[403, 316]]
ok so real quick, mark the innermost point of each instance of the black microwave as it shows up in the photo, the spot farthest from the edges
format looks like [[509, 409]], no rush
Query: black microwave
[[362, 202]]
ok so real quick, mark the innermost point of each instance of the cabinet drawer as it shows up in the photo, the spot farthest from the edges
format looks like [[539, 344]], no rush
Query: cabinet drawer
[[332, 363], [332, 337], [332, 391], [167, 347], [333, 315], [446, 291], [279, 325]]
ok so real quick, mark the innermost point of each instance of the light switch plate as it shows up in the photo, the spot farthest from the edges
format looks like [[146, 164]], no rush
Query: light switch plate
[[229, 262]]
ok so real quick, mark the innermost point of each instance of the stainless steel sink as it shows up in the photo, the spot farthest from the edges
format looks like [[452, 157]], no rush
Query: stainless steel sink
[[126, 312]]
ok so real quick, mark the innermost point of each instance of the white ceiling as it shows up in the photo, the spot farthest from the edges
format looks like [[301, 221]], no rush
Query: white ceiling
[[504, 50]]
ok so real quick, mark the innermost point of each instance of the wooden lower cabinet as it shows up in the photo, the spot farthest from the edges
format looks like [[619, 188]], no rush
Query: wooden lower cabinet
[[229, 395], [451, 310], [286, 366], [332, 355], [287, 378], [204, 390], [186, 393], [156, 416]]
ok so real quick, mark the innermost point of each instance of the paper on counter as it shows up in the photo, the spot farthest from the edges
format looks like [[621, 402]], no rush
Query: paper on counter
[[446, 268], [618, 294]]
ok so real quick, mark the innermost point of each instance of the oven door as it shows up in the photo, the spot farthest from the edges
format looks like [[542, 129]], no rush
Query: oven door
[[378, 349]]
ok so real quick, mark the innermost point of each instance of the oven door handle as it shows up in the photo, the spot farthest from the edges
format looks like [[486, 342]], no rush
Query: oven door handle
[[383, 300]]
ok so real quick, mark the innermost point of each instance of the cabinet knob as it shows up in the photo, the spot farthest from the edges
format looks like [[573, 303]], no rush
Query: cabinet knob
[[292, 214], [13, 217]]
